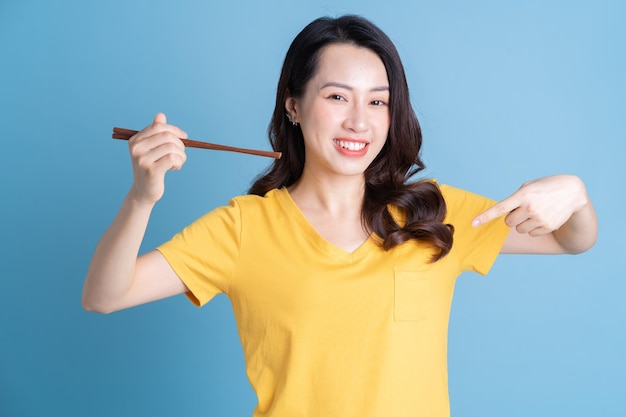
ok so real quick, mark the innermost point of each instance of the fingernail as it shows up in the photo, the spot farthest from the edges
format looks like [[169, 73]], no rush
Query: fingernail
[[475, 222]]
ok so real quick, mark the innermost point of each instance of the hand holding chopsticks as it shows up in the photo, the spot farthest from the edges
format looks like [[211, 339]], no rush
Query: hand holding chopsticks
[[125, 134], [159, 148]]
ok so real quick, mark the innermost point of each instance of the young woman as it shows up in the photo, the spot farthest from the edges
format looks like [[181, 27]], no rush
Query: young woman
[[340, 269]]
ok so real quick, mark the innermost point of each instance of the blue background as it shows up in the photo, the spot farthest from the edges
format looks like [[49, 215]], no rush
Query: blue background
[[505, 91]]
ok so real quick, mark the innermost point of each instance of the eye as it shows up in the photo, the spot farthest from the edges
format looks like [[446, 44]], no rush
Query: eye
[[336, 97], [378, 103]]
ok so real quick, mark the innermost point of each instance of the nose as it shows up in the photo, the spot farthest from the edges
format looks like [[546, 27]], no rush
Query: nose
[[356, 119]]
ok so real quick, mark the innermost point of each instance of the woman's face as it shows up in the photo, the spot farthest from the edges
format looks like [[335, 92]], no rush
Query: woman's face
[[344, 111]]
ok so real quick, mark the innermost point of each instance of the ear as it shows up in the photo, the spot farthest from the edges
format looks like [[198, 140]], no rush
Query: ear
[[291, 107]]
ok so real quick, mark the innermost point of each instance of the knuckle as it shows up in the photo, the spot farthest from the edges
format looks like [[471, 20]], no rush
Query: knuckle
[[145, 164], [500, 209], [171, 159], [135, 153], [141, 161], [172, 147]]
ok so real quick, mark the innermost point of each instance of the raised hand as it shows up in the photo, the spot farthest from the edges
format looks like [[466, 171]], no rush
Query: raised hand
[[117, 277], [154, 151]]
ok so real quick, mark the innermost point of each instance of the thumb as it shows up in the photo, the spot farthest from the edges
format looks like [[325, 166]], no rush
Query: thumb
[[160, 118]]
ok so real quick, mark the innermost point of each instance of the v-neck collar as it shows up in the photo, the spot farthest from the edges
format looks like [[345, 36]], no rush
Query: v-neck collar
[[317, 240]]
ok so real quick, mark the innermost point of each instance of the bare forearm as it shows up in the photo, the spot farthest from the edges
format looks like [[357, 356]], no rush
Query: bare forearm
[[580, 232], [112, 267]]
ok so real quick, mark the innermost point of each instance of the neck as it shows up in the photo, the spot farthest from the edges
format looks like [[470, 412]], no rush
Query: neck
[[339, 196]]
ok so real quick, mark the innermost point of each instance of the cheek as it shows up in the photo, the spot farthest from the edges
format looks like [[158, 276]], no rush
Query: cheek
[[321, 121], [314, 115], [387, 121], [382, 126], [328, 114], [381, 119]]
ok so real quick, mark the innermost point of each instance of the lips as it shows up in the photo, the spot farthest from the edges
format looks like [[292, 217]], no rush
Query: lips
[[352, 147]]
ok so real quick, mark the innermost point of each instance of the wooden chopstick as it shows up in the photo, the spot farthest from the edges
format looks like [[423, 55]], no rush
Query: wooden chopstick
[[125, 134]]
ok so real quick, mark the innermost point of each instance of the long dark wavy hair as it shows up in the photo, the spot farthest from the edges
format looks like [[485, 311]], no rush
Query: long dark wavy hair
[[420, 204]]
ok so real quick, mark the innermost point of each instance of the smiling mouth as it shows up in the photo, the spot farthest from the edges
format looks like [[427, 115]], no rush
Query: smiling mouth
[[351, 145]]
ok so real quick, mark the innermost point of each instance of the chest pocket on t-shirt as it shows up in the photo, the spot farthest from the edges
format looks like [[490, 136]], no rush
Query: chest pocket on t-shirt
[[411, 295]]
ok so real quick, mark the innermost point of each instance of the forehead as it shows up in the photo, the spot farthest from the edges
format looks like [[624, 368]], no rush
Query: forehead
[[350, 63]]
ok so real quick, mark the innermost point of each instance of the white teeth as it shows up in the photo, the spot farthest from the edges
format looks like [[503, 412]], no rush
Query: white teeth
[[351, 146]]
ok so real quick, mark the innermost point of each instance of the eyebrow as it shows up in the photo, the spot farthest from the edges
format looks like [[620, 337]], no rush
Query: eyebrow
[[347, 87]]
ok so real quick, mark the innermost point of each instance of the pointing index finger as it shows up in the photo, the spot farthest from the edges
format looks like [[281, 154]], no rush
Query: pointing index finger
[[497, 210]]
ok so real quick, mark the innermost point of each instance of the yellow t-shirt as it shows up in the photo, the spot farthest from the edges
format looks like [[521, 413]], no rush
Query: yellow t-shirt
[[326, 332]]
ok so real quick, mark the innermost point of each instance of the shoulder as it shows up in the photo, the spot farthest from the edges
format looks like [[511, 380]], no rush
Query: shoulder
[[462, 201], [477, 247], [453, 194], [463, 206], [259, 208], [251, 201]]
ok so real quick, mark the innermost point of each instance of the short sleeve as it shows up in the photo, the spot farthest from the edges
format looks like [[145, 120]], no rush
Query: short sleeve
[[204, 254], [476, 247]]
